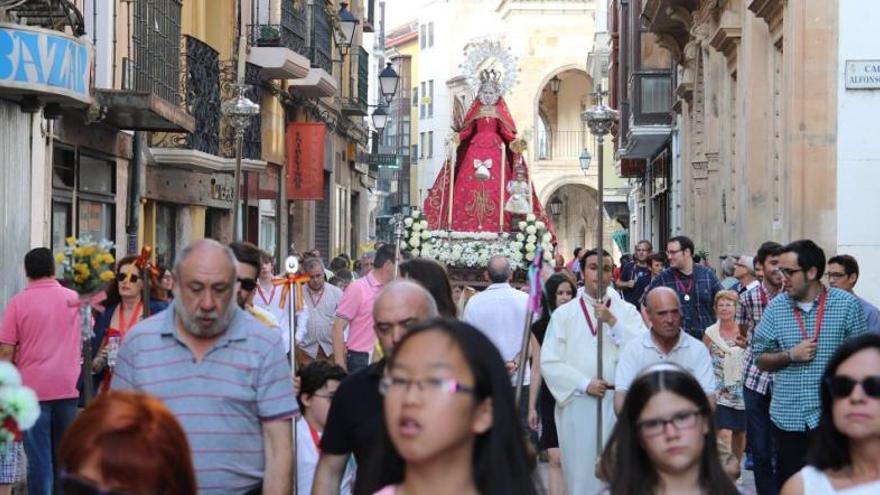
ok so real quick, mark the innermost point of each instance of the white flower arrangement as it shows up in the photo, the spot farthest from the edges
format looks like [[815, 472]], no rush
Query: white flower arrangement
[[533, 234], [19, 406]]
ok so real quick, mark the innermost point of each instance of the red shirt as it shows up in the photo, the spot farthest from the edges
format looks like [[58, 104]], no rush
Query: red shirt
[[47, 335]]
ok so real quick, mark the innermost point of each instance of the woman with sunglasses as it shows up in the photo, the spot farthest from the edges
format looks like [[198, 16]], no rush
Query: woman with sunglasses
[[124, 308], [845, 456], [125, 443], [664, 441], [449, 415]]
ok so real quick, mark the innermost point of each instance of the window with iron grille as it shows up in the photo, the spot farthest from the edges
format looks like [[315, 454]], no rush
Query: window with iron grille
[[321, 37], [154, 65], [363, 77]]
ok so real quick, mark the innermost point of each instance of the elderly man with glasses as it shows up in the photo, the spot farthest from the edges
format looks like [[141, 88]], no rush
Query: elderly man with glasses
[[843, 273]]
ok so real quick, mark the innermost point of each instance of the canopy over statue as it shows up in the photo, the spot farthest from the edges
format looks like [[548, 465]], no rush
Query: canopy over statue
[[484, 185]]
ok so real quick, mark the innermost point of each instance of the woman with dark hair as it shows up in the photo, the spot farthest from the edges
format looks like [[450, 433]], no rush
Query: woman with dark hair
[[664, 440], [124, 309], [432, 276], [163, 289], [559, 289], [845, 456], [126, 442], [449, 413]]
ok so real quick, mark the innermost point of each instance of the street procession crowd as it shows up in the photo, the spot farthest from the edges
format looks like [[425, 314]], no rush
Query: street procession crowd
[[657, 376]]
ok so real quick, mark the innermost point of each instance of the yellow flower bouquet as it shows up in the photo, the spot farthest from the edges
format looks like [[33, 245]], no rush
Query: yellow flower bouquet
[[86, 265]]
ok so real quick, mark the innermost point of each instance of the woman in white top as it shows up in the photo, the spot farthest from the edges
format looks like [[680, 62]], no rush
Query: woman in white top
[[845, 458]]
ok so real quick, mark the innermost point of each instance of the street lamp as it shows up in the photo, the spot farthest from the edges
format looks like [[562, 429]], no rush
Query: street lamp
[[585, 160], [347, 24], [380, 118], [554, 84], [239, 110], [600, 118], [555, 206], [388, 81]]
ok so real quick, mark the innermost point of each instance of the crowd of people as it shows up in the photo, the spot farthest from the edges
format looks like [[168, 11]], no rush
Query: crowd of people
[[657, 376]]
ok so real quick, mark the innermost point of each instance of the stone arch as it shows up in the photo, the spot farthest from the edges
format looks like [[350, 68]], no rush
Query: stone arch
[[545, 191], [563, 133], [578, 219]]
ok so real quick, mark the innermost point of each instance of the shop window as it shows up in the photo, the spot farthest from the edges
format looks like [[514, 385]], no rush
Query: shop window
[[83, 195], [166, 233]]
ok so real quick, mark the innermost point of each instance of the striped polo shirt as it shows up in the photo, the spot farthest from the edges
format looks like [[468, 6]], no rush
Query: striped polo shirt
[[222, 401]]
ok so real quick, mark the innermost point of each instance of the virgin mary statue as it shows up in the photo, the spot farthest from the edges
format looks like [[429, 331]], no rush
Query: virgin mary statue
[[486, 156]]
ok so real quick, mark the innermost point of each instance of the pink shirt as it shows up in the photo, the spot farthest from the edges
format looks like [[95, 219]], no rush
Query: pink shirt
[[47, 336], [388, 490], [357, 307]]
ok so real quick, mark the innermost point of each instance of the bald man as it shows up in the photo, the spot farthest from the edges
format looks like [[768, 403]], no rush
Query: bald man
[[665, 342], [221, 373], [354, 422]]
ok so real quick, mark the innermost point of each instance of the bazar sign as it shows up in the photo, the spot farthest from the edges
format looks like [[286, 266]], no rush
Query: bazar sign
[[45, 61], [862, 74]]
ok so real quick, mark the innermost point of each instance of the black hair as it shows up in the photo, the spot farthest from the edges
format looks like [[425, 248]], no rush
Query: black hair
[[830, 448], [112, 290], [433, 277], [501, 464], [548, 301], [645, 241], [39, 263], [315, 375], [849, 263], [384, 254], [685, 243], [657, 257], [624, 454], [767, 249], [339, 263], [247, 253], [809, 255], [341, 276], [577, 251], [592, 252]]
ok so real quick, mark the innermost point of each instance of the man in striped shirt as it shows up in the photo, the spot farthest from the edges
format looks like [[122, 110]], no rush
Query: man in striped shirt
[[223, 375]]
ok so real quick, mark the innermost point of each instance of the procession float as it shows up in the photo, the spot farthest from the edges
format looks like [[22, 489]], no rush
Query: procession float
[[482, 202]]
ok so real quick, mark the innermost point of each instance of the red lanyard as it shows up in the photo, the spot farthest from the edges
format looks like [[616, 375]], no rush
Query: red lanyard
[[263, 296], [125, 325], [587, 315], [315, 437], [764, 299], [686, 290], [312, 298], [819, 315]]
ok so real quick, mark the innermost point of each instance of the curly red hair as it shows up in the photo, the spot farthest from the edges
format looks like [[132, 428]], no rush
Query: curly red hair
[[136, 441]]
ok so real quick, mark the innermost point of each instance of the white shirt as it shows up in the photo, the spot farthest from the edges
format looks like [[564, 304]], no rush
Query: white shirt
[[689, 353], [307, 456], [319, 329], [817, 483], [500, 313]]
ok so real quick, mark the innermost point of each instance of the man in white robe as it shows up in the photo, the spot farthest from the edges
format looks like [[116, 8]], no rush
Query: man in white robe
[[569, 365]]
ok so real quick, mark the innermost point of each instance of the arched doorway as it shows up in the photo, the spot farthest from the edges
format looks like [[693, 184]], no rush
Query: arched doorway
[[577, 219], [560, 134]]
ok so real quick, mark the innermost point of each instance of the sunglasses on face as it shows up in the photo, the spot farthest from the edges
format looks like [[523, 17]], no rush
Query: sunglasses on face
[[842, 386], [247, 284], [131, 277]]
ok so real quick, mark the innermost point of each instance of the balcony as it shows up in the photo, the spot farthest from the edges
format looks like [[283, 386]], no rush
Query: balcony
[[650, 118], [280, 49], [560, 145], [358, 87], [319, 82]]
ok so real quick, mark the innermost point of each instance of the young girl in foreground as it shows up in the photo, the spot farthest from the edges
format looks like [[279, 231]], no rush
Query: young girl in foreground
[[664, 442], [449, 413]]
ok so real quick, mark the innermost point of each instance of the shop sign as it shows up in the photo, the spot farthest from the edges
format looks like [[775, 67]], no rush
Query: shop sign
[[862, 74], [305, 161], [221, 192], [45, 61]]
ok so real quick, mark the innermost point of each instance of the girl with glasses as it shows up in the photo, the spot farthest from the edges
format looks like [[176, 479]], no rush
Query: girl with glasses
[[665, 434], [450, 416], [845, 456]]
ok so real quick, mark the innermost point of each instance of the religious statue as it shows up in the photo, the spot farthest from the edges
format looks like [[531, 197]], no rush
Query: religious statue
[[485, 170]]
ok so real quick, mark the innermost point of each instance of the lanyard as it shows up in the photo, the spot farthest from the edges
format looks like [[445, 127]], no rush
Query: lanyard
[[312, 298], [587, 315], [125, 325], [315, 437], [763, 294], [263, 295], [681, 287], [800, 319]]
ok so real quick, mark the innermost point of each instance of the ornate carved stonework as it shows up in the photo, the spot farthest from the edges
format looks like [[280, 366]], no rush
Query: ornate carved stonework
[[772, 11], [726, 41]]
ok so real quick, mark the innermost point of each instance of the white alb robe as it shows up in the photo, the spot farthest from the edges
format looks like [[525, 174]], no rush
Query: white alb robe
[[568, 363]]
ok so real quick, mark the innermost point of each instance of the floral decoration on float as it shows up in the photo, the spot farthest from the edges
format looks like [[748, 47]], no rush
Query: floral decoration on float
[[19, 406]]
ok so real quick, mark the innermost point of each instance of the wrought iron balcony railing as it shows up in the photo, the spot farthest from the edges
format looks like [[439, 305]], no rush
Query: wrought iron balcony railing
[[355, 102], [291, 32], [200, 91], [560, 145], [155, 63], [321, 39]]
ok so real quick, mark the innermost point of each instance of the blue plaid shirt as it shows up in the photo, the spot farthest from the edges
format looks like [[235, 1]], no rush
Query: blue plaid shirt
[[698, 313], [795, 404]]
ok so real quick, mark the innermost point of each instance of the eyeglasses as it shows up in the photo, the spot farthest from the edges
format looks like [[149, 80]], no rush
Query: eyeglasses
[[248, 284], [71, 485], [131, 277], [683, 420], [670, 252], [325, 396], [842, 386], [433, 386], [835, 275], [788, 272]]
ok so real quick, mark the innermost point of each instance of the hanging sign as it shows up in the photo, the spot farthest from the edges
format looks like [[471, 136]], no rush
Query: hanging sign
[[305, 161]]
